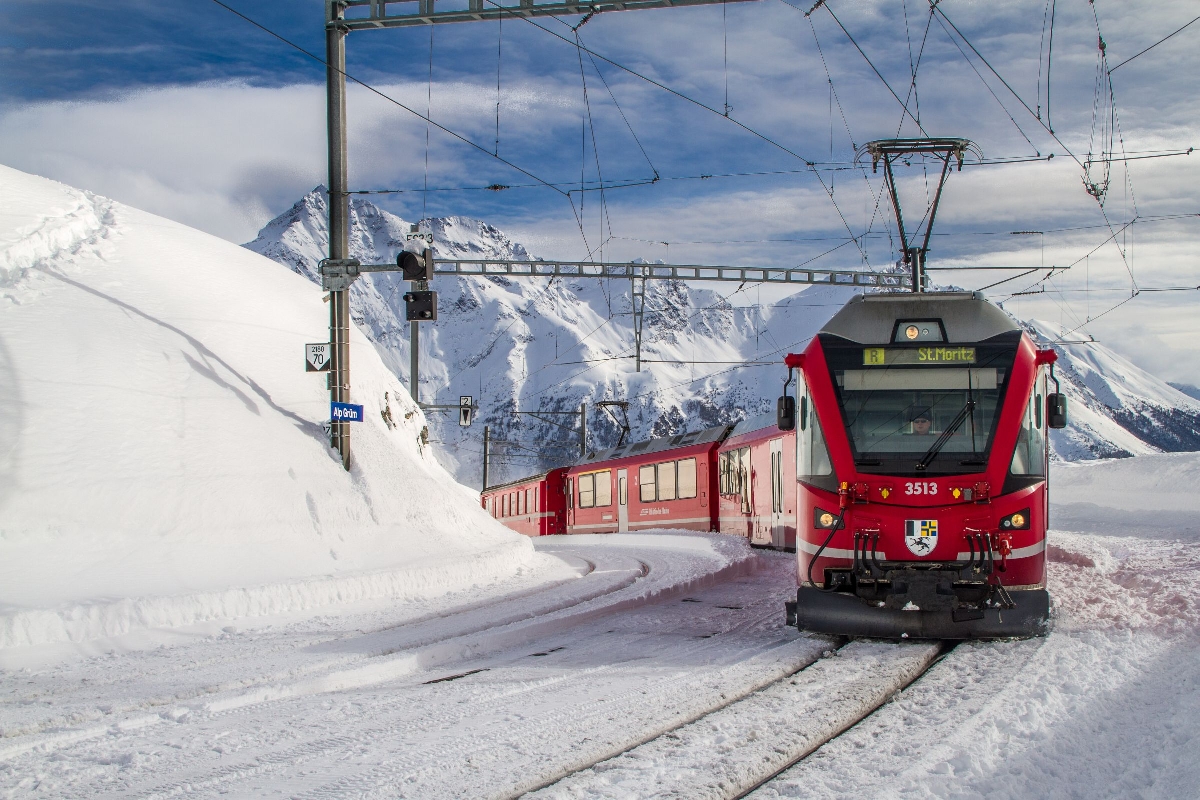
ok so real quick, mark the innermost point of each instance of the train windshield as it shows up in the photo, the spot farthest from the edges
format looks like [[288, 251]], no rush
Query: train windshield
[[920, 410]]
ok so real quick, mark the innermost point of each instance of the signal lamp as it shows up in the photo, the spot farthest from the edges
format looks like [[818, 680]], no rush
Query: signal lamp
[[1018, 521], [825, 520]]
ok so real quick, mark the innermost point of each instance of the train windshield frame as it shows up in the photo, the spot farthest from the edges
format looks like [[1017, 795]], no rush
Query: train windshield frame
[[885, 392]]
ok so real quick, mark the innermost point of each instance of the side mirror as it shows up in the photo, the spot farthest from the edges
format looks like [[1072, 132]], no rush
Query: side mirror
[[1056, 410], [785, 413]]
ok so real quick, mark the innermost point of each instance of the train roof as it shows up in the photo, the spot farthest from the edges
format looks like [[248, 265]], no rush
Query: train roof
[[966, 316], [498, 487], [755, 423], [661, 444]]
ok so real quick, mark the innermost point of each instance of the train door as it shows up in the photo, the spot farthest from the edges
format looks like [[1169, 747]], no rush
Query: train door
[[570, 498], [622, 500], [778, 530], [760, 533]]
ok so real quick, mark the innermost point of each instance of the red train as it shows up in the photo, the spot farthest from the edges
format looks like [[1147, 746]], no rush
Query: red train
[[922, 470], [727, 478], [909, 473]]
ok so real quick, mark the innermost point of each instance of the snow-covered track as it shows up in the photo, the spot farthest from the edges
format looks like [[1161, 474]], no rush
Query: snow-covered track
[[737, 748], [219, 676]]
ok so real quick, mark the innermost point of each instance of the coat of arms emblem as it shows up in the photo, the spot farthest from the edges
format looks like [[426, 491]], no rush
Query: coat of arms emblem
[[920, 535]]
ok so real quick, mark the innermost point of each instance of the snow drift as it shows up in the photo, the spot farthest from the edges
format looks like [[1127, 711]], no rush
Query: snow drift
[[162, 456]]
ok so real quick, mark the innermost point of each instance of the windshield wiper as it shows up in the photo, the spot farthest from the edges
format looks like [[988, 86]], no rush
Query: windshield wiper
[[937, 446]]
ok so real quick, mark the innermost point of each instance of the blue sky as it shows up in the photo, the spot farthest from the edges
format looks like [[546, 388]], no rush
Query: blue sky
[[185, 110]]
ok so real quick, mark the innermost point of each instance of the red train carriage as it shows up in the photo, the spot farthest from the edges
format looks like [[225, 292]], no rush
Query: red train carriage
[[755, 480], [534, 506], [921, 461], [661, 483]]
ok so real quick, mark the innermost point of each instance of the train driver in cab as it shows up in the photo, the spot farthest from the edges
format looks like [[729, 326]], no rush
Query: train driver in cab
[[922, 422]]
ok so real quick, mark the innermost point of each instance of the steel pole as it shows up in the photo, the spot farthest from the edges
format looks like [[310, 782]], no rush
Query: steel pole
[[339, 218], [414, 343], [487, 452], [583, 430]]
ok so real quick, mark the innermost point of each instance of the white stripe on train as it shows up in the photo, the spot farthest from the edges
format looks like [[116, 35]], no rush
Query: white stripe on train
[[833, 552]]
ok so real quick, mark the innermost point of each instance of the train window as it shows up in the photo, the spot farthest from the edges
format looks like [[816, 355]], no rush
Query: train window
[[812, 454], [587, 491], [687, 478], [724, 473], [744, 479], [915, 411], [1029, 456], [528, 505], [504, 505], [570, 492], [622, 491], [666, 480], [646, 488], [603, 488], [535, 499]]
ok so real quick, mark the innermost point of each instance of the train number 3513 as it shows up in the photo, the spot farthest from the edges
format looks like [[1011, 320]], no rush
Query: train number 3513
[[920, 487]]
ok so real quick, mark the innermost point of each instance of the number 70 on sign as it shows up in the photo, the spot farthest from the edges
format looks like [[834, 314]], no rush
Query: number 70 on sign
[[317, 357]]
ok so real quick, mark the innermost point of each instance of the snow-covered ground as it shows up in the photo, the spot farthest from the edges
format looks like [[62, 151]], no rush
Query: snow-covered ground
[[491, 696], [162, 458], [195, 598], [1108, 705]]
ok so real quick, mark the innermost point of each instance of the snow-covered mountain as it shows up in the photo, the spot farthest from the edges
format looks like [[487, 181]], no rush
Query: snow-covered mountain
[[711, 355], [547, 345], [1116, 409]]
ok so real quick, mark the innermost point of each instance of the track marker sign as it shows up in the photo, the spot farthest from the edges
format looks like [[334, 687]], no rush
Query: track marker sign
[[465, 409], [345, 412], [317, 357]]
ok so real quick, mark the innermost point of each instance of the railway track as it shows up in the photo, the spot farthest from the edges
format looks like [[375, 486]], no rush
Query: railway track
[[740, 746], [707, 675]]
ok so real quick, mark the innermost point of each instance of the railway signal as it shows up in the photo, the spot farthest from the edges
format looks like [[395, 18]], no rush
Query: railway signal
[[416, 266], [420, 306], [465, 411]]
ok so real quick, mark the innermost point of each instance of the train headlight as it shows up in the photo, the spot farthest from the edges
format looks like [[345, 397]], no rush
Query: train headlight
[[825, 520], [912, 332], [1018, 521]]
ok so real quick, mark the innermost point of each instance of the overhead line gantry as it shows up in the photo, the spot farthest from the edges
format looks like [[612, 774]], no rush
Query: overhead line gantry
[[340, 270]]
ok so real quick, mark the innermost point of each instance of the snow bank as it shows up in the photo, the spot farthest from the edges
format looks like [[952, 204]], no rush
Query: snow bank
[[1129, 558], [162, 458]]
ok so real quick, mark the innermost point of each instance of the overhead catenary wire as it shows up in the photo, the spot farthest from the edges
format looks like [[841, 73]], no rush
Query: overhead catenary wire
[[763, 137], [392, 100], [865, 58], [1151, 47], [821, 166]]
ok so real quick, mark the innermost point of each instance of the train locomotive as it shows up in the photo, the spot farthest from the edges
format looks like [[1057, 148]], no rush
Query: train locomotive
[[921, 455], [908, 472]]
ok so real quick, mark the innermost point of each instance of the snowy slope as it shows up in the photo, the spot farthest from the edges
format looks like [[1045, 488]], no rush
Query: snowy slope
[[162, 458], [533, 344]]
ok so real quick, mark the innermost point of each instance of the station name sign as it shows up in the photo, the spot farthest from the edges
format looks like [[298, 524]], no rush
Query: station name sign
[[894, 356]]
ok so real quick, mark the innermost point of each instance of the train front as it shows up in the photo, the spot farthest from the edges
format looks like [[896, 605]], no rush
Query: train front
[[921, 456]]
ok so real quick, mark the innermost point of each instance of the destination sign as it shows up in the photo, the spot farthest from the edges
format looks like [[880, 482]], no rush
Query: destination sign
[[893, 356]]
